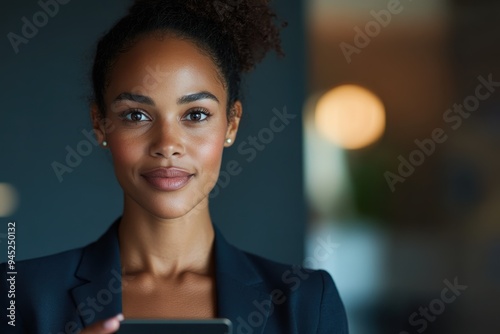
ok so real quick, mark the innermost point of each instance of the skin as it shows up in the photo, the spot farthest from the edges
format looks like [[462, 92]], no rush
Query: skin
[[166, 237]]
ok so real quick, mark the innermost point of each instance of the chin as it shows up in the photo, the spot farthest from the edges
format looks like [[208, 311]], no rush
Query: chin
[[174, 208], [172, 213]]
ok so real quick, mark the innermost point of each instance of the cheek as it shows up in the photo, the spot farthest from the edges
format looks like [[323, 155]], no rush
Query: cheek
[[209, 159], [209, 153], [206, 148], [208, 156], [124, 153]]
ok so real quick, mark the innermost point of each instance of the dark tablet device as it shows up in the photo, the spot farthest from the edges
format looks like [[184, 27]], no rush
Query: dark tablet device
[[187, 326]]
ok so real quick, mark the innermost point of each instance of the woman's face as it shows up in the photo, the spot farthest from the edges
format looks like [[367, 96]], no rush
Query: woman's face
[[167, 125]]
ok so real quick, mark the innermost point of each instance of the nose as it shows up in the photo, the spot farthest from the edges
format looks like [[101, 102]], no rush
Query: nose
[[167, 141]]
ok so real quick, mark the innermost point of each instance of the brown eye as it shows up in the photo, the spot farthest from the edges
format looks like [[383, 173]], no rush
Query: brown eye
[[197, 116], [135, 116]]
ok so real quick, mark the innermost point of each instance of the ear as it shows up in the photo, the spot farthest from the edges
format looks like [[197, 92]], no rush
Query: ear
[[98, 123], [234, 122]]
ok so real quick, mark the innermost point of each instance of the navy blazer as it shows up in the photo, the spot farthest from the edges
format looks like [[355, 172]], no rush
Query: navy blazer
[[65, 292]]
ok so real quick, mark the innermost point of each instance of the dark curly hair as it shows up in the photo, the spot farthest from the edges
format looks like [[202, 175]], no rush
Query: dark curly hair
[[236, 34]]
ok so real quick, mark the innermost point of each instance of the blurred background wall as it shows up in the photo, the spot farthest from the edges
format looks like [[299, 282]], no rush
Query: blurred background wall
[[45, 89], [389, 183], [416, 208]]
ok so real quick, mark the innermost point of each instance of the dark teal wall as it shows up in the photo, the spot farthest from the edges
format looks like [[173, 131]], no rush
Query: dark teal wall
[[44, 112]]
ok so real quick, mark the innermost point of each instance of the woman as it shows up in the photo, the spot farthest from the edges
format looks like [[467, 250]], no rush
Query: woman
[[166, 132]]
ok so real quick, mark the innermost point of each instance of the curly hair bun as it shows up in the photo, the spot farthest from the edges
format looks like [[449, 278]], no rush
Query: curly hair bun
[[251, 25], [236, 34]]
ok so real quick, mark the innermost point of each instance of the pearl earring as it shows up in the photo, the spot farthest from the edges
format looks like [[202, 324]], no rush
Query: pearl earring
[[104, 143], [229, 140]]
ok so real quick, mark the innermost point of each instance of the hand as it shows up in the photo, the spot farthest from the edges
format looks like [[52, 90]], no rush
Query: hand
[[107, 326]]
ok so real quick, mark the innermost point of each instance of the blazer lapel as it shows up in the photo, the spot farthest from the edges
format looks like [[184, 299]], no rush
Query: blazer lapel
[[240, 289], [101, 296]]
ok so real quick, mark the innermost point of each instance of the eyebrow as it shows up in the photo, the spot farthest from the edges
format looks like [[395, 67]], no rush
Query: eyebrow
[[135, 98], [182, 100], [196, 97]]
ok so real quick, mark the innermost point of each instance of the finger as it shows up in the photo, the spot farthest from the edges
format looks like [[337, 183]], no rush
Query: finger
[[107, 326]]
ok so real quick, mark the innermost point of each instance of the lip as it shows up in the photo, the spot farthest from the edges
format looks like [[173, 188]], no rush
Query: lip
[[167, 178]]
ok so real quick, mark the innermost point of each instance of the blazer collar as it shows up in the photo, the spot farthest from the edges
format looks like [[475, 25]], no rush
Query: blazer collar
[[100, 297], [240, 288]]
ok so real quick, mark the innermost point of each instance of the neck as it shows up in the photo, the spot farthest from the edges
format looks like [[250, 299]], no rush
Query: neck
[[165, 247]]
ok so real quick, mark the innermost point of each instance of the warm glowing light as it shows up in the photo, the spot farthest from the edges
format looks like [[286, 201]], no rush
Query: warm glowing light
[[350, 116], [8, 199]]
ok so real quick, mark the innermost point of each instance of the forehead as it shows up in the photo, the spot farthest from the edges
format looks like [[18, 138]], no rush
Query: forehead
[[155, 65]]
